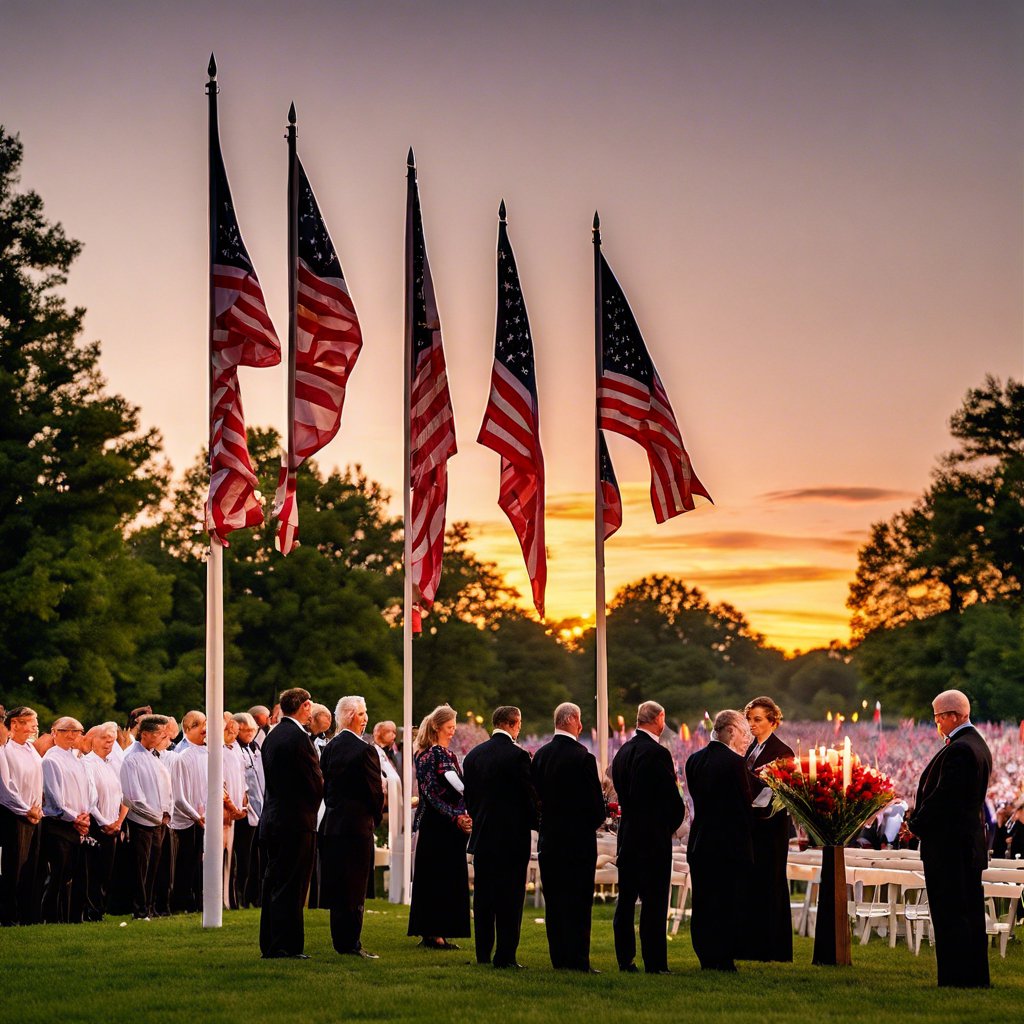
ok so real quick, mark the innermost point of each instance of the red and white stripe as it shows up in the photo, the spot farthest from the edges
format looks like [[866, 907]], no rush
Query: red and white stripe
[[628, 407], [328, 341], [242, 335], [431, 444], [511, 428]]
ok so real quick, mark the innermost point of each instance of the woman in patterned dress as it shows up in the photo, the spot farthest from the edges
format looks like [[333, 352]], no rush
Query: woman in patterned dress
[[440, 892]]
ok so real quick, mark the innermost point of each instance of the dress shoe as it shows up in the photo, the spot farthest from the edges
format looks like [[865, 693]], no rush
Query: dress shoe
[[629, 968], [360, 952], [666, 971], [282, 955], [511, 966]]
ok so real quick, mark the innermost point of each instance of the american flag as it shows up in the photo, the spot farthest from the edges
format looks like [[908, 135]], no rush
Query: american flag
[[632, 401], [431, 420], [611, 500], [511, 425], [241, 335], [328, 341]]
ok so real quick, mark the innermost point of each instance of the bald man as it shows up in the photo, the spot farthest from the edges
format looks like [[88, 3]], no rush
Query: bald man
[[948, 818]]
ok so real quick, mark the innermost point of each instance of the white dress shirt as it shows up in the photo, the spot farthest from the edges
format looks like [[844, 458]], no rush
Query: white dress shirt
[[234, 774], [106, 788], [23, 778], [117, 753], [146, 783], [189, 774], [66, 787], [387, 769]]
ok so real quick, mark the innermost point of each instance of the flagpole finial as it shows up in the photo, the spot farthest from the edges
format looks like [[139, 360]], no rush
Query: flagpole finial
[[597, 221], [291, 114], [410, 160], [501, 212], [212, 68]]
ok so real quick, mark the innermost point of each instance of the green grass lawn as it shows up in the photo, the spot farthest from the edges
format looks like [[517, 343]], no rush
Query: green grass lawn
[[174, 970]]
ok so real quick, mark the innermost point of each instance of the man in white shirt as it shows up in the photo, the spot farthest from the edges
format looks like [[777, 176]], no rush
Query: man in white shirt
[[189, 770], [107, 813], [21, 810], [146, 784], [66, 821], [247, 850], [235, 805]]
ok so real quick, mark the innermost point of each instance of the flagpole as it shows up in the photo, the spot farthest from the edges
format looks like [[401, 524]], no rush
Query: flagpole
[[407, 724], [599, 604], [213, 833], [293, 287]]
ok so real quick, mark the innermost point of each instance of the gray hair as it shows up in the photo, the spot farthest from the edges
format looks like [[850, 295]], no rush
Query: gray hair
[[648, 712], [104, 729], [347, 709], [244, 718], [727, 724], [565, 712]]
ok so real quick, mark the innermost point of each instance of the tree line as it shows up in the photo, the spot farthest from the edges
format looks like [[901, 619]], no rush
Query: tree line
[[102, 572]]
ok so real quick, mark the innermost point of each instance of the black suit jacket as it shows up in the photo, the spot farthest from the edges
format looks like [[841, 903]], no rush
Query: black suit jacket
[[644, 777], [569, 796], [716, 779], [949, 812], [499, 797], [772, 750], [353, 788], [295, 784]]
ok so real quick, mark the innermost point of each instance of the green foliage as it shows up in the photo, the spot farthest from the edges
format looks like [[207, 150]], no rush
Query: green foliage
[[667, 642], [78, 610]]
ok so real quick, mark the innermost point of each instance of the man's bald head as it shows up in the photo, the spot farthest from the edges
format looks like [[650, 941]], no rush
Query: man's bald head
[[951, 708]]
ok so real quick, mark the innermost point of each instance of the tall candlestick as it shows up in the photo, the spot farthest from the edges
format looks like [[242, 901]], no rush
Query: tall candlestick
[[812, 765], [847, 764]]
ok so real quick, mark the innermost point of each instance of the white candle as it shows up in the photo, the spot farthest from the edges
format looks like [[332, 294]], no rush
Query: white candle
[[812, 765], [847, 764]]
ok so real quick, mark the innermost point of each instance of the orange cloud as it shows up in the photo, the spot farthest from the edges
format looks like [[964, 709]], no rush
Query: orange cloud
[[766, 576], [843, 495]]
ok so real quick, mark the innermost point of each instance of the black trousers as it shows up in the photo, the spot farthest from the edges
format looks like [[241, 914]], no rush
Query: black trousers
[[568, 881], [147, 846], [718, 889], [63, 871], [345, 865], [19, 882], [99, 866], [247, 862], [164, 883], [499, 890], [285, 884], [646, 875], [187, 850], [957, 905]]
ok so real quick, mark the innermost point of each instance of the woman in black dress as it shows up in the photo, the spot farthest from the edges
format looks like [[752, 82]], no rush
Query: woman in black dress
[[770, 937], [440, 891]]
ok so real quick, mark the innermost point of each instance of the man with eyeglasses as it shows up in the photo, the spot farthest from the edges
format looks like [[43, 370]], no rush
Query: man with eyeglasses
[[948, 818], [21, 810], [66, 821]]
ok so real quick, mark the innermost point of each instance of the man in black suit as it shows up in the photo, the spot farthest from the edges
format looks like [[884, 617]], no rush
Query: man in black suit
[[720, 850], [295, 787], [502, 803], [572, 809], [354, 797], [948, 819], [652, 809]]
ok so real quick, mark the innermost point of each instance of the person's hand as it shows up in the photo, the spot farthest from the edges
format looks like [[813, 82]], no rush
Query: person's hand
[[465, 822], [82, 824], [110, 830], [35, 815], [202, 821], [165, 818]]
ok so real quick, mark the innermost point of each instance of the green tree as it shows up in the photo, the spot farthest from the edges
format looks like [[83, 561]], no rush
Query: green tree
[[963, 541], [77, 608]]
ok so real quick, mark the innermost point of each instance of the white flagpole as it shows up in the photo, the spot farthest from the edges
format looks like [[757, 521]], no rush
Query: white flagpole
[[213, 834], [601, 724], [407, 725]]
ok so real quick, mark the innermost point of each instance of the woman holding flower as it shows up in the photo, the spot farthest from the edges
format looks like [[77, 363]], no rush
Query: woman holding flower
[[771, 936]]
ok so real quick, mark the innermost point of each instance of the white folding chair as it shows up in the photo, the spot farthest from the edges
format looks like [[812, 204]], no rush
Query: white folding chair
[[1001, 923]]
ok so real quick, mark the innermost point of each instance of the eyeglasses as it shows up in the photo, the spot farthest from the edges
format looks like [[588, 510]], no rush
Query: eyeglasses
[[78, 731], [942, 714]]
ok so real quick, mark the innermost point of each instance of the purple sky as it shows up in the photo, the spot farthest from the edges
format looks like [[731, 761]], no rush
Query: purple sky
[[814, 209]]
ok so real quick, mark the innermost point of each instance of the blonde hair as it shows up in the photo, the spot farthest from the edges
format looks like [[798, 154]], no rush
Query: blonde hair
[[431, 726]]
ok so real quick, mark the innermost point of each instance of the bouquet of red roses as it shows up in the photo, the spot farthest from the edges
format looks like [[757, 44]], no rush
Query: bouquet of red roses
[[811, 788]]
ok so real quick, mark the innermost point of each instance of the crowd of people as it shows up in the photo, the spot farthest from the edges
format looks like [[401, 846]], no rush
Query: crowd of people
[[112, 820]]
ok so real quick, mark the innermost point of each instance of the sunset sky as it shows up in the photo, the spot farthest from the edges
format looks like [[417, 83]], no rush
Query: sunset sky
[[814, 209]]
